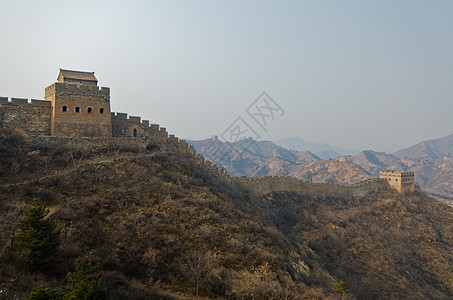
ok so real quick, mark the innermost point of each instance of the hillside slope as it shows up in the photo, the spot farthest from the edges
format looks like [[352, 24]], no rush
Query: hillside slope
[[143, 212], [436, 148], [331, 171]]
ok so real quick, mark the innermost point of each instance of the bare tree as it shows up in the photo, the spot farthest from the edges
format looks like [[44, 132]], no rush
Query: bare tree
[[74, 161], [199, 266]]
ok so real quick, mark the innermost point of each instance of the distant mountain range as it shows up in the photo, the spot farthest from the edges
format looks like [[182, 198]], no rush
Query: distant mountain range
[[430, 160], [322, 150], [264, 158], [438, 148]]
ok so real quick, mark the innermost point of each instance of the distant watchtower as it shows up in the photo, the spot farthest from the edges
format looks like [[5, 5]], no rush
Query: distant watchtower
[[402, 181], [79, 107]]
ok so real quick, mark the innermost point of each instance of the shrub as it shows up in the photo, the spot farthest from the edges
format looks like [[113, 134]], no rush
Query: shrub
[[342, 288], [42, 293]]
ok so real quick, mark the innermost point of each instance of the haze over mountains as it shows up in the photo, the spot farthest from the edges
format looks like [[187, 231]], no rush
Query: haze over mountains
[[322, 150], [436, 148], [430, 160]]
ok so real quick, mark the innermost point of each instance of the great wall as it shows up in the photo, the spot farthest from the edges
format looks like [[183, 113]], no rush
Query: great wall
[[78, 111]]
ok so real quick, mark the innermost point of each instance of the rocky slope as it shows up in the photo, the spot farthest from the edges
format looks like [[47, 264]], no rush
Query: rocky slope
[[436, 148], [373, 162], [146, 213], [331, 171]]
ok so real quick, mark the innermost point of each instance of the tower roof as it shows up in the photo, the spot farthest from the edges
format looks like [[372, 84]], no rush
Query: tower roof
[[76, 75]]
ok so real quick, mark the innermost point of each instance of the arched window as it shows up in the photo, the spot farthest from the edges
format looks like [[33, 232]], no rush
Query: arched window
[[64, 108], [101, 111], [77, 109], [89, 110]]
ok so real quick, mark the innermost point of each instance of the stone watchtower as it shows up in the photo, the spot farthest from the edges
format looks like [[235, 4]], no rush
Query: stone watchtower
[[79, 107], [402, 181]]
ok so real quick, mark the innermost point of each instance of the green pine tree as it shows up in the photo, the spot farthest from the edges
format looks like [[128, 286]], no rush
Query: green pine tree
[[37, 237], [85, 282]]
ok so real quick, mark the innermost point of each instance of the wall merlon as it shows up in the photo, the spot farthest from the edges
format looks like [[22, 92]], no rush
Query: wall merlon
[[3, 100], [42, 103], [121, 116], [163, 131], [145, 123], [19, 101], [135, 119]]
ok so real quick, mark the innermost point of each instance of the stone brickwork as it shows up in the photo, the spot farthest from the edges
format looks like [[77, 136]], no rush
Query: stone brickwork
[[363, 188], [124, 126], [402, 181], [268, 184], [33, 117], [79, 107]]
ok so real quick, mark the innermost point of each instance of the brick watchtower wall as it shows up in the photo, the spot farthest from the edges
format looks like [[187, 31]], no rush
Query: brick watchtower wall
[[402, 181], [79, 108]]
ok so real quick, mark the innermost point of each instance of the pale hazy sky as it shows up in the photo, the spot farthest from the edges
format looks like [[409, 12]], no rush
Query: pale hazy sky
[[357, 74]]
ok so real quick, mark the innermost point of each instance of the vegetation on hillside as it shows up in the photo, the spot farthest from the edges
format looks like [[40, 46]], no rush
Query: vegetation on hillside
[[84, 283], [160, 226]]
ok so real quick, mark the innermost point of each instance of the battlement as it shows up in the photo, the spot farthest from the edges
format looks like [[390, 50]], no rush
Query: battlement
[[395, 173], [268, 184], [402, 181], [130, 119], [128, 126], [366, 186], [25, 102], [76, 89]]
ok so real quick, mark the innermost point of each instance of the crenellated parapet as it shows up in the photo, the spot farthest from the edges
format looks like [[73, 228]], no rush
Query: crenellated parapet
[[268, 184], [77, 89], [30, 116], [128, 126], [366, 186], [4, 101]]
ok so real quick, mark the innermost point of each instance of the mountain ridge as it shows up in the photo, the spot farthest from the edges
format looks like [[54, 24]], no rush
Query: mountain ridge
[[434, 148], [263, 158]]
